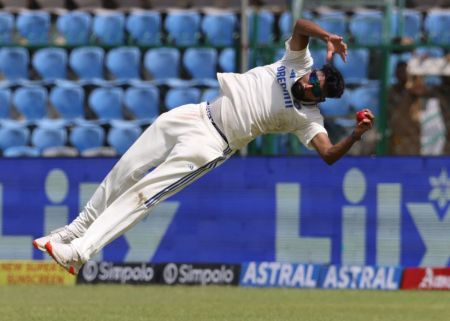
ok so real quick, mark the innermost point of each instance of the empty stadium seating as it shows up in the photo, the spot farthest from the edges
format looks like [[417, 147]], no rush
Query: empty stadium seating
[[134, 64], [75, 27]]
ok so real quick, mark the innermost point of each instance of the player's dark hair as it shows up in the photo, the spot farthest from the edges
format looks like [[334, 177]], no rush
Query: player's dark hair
[[334, 82]]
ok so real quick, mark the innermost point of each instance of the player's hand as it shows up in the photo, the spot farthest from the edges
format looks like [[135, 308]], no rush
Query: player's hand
[[365, 124], [336, 44]]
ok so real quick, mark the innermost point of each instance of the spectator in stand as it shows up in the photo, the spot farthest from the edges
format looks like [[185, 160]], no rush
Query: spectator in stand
[[443, 94], [404, 106]]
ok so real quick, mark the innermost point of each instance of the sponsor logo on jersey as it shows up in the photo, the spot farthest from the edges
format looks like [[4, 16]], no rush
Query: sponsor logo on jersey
[[281, 79]]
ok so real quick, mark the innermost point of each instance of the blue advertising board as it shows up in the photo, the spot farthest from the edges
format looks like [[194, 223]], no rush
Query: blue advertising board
[[360, 211]]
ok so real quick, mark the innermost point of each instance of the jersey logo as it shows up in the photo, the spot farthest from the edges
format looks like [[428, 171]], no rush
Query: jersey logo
[[293, 74], [281, 79]]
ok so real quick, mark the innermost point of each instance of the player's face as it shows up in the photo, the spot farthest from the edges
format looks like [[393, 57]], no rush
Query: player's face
[[313, 86]]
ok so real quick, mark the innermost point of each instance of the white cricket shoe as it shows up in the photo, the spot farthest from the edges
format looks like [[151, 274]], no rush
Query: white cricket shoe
[[61, 235], [65, 255]]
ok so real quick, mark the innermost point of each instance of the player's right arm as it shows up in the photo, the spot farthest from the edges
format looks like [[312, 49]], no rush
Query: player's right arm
[[304, 29], [331, 153]]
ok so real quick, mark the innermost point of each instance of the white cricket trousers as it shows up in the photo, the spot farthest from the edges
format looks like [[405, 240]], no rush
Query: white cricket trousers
[[180, 146]]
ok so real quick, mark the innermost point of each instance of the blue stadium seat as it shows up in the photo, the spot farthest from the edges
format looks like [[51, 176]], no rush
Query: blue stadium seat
[[367, 27], [109, 28], [124, 63], [227, 60], [336, 107], [265, 23], [49, 134], [144, 27], [13, 134], [68, 100], [14, 63], [176, 97], [411, 20], [87, 62], [31, 102], [210, 94], [162, 63], [106, 102], [34, 26], [219, 28], [356, 70], [50, 63], [183, 27], [437, 27], [6, 28], [334, 22], [87, 136], [5, 103], [143, 102], [201, 62], [286, 25], [21, 151], [75, 27], [122, 135], [319, 57], [366, 97]]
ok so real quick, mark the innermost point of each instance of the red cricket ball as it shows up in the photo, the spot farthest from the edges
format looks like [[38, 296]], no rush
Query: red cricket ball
[[360, 115]]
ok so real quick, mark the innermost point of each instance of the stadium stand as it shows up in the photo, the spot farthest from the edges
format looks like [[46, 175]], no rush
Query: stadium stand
[[124, 63], [88, 138], [49, 133], [162, 63], [75, 27], [13, 134], [133, 63], [367, 27], [34, 27], [106, 102], [109, 28], [201, 62], [5, 103], [144, 27], [219, 28], [183, 27], [143, 102], [87, 62], [68, 100], [122, 135], [180, 96], [31, 102], [50, 63], [14, 63], [437, 27], [6, 28]]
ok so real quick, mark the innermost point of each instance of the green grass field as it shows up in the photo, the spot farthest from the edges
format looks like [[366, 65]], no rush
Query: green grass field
[[164, 303]]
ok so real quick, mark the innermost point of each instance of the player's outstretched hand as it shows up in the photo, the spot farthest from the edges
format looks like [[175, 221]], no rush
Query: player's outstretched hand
[[336, 44], [364, 121]]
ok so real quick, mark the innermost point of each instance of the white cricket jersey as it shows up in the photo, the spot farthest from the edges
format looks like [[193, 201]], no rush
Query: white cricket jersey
[[260, 101]]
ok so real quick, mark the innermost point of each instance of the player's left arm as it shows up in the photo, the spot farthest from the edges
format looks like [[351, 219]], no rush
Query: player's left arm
[[331, 153], [304, 29]]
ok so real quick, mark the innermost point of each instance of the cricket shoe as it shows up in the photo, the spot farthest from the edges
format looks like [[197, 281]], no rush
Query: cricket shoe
[[65, 255], [61, 235]]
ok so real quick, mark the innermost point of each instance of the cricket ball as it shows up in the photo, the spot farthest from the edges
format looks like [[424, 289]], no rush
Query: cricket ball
[[360, 115]]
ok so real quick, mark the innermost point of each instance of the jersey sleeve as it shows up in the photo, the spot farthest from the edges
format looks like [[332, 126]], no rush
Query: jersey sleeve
[[310, 129], [303, 56]]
